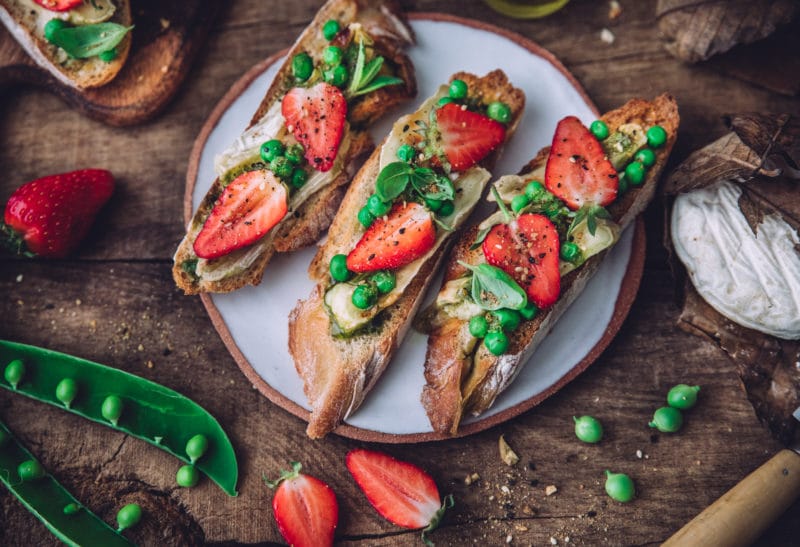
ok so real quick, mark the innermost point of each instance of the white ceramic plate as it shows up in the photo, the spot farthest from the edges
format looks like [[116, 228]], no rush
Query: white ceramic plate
[[253, 320]]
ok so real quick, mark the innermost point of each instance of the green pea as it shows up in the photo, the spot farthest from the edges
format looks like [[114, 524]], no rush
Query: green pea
[[299, 178], [458, 89], [3, 437], [30, 470], [66, 390], [385, 281], [646, 157], [377, 207], [332, 56], [187, 476], [271, 149], [478, 326], [339, 271], [337, 76], [499, 112], [619, 487], [302, 66], [447, 209], [570, 252], [520, 202], [295, 153], [14, 372], [534, 189], [282, 167], [330, 29], [445, 100], [406, 152], [108, 55], [364, 297], [196, 447], [508, 319], [656, 136], [588, 429], [112, 409], [634, 173], [365, 217], [71, 508], [529, 311], [496, 342], [682, 396], [53, 26], [599, 129], [667, 419], [128, 516], [434, 204]]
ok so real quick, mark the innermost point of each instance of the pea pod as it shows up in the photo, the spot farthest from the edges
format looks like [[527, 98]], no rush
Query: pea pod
[[48, 500], [150, 411]]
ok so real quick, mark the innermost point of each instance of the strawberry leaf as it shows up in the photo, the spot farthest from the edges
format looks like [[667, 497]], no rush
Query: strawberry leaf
[[393, 180], [447, 503]]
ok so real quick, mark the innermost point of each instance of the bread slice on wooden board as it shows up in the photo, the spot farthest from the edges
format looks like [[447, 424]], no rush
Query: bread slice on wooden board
[[304, 224], [26, 20], [338, 371], [462, 376]]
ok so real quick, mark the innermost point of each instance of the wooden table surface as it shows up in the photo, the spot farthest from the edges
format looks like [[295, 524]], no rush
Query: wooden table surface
[[114, 302]]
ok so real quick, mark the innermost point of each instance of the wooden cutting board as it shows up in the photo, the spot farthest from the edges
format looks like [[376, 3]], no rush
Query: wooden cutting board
[[166, 37]]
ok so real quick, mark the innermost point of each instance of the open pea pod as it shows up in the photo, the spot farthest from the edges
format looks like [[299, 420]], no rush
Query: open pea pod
[[47, 500], [144, 409]]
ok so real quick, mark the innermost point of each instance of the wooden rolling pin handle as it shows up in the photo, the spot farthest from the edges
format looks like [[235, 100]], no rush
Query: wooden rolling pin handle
[[743, 513]]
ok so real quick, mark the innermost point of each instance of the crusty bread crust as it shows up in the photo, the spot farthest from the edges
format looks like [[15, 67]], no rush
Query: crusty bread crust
[[461, 380], [388, 27], [77, 73], [337, 373]]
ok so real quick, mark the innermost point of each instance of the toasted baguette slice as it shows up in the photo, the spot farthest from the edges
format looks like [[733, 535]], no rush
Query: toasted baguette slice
[[461, 374], [387, 26], [338, 372], [26, 20]]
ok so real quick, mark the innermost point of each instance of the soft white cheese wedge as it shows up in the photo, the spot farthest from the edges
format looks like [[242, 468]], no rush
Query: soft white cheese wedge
[[753, 280]]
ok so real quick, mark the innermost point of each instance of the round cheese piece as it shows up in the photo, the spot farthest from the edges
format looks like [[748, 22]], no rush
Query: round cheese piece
[[752, 279]]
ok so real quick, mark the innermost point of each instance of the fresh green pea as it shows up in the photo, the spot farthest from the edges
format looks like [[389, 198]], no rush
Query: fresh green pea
[[30, 470], [499, 112], [271, 149], [599, 129], [332, 56], [108, 55], [458, 89], [570, 252], [302, 66], [71, 508], [619, 487], [14, 372], [588, 429], [187, 476], [365, 217], [646, 157], [282, 167], [385, 281], [66, 391], [434, 204], [295, 153], [445, 100], [529, 311], [196, 447], [667, 419], [478, 326], [656, 136], [128, 516], [634, 173], [496, 342], [364, 297], [299, 177], [330, 29], [406, 152], [112, 409], [682, 396], [534, 189], [447, 208], [508, 319], [377, 207], [339, 271], [336, 76], [519, 202], [53, 26]]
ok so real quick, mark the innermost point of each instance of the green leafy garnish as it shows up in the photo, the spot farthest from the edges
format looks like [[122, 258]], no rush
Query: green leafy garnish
[[393, 180], [365, 78], [589, 212], [396, 176], [431, 185], [492, 288], [86, 41]]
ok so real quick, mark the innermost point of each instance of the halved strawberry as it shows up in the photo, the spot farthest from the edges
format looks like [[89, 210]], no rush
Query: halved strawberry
[[401, 492], [59, 5], [316, 117], [467, 137], [305, 509], [527, 249], [406, 234], [246, 210], [578, 170]]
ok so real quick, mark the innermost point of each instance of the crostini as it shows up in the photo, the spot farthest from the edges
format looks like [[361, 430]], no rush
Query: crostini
[[385, 244], [279, 185], [510, 278]]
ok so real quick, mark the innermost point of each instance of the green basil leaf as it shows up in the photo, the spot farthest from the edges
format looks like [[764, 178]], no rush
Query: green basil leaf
[[392, 180], [492, 288], [87, 41], [377, 83], [430, 185]]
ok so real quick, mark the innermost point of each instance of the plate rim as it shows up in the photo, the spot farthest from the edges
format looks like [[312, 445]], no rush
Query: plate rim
[[629, 285]]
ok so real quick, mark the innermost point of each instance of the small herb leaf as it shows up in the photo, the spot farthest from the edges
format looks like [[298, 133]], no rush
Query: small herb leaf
[[365, 78], [429, 185], [392, 180], [492, 288], [86, 41]]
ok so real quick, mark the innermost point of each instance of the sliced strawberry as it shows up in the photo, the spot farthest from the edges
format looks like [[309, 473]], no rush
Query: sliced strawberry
[[406, 234], [527, 249], [467, 137], [578, 170], [51, 215], [401, 492], [316, 117], [59, 5], [305, 509], [247, 209]]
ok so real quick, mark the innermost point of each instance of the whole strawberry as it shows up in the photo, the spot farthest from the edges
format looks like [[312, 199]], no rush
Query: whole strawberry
[[49, 216]]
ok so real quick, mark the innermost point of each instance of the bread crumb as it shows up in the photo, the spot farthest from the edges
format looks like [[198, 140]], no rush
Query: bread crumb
[[150, 364], [550, 489], [639, 454], [520, 528], [509, 538], [164, 23], [140, 348], [566, 539], [471, 478], [78, 302], [19, 278], [553, 541], [505, 490], [614, 10], [606, 36], [508, 456]]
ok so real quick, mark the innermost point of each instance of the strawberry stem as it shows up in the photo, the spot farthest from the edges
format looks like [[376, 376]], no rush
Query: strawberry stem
[[447, 503], [500, 203], [13, 241], [285, 475]]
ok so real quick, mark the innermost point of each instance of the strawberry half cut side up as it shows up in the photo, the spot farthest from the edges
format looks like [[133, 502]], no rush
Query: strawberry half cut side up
[[578, 171], [50, 216], [467, 137], [247, 209], [401, 492], [305, 509], [406, 234], [527, 249], [316, 117]]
